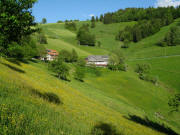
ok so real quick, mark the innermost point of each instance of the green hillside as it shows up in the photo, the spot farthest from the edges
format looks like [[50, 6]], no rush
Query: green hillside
[[61, 38], [164, 60], [83, 105], [117, 98], [147, 48]]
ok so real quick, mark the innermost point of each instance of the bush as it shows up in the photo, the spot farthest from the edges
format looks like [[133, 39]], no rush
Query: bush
[[148, 78], [70, 26], [79, 73], [171, 38], [26, 49], [122, 67], [142, 68], [60, 68], [99, 43], [117, 61], [74, 56], [112, 67], [59, 21], [81, 62], [162, 44], [65, 56], [125, 46], [174, 103], [15, 51]]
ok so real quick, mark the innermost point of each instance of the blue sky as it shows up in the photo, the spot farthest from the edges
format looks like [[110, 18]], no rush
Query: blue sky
[[54, 10]]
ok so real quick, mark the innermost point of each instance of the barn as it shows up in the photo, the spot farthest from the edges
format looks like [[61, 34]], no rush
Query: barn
[[97, 60]]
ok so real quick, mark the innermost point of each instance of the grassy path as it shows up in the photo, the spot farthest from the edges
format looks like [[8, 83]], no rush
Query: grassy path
[[168, 56]]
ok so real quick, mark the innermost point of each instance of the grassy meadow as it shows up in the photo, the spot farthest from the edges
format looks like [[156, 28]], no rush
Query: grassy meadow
[[117, 100]]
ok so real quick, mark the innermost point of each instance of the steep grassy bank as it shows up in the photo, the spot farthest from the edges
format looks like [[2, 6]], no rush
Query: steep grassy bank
[[82, 106]]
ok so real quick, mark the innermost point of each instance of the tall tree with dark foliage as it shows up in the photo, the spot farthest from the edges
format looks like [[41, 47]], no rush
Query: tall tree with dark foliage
[[16, 22]]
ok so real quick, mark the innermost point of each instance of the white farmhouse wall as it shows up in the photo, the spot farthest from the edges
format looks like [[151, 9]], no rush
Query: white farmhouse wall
[[98, 63], [101, 63], [49, 58]]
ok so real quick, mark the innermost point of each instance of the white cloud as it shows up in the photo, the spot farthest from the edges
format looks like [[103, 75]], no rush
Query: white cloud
[[91, 15], [166, 3]]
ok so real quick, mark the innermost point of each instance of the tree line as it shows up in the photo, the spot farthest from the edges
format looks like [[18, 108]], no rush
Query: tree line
[[137, 14], [171, 38], [142, 29], [149, 21]]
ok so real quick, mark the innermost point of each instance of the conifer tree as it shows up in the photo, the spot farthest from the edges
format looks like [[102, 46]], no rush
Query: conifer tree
[[93, 22]]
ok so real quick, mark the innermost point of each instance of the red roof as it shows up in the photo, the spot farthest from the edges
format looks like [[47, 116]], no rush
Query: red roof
[[52, 52]]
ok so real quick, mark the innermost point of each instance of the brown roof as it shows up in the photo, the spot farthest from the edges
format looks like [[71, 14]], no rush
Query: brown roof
[[52, 52]]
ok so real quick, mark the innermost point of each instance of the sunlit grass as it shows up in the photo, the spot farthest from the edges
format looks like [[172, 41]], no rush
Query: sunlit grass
[[79, 112]]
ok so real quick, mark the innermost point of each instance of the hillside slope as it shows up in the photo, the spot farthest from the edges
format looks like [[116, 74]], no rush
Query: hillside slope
[[165, 61], [31, 95], [141, 52], [83, 106], [78, 113]]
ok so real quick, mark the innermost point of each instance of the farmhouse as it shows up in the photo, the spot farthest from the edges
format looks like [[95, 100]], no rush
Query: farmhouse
[[51, 55], [97, 60]]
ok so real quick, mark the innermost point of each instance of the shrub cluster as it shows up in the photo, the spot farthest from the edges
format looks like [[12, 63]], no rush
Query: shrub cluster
[[67, 56], [85, 37], [148, 78], [172, 38], [70, 26], [120, 67], [142, 70], [79, 73], [117, 61], [174, 102], [26, 50], [62, 69]]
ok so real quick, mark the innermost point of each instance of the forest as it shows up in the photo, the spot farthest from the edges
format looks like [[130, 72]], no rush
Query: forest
[[149, 21]]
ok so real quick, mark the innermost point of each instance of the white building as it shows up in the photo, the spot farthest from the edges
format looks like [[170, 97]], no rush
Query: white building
[[98, 60], [51, 55]]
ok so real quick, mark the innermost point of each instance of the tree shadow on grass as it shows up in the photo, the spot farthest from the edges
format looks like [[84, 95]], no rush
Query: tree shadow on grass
[[105, 129], [151, 124], [48, 96], [17, 61], [34, 60], [65, 80], [14, 68]]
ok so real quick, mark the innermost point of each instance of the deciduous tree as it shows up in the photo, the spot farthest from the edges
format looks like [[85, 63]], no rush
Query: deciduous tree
[[16, 21]]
